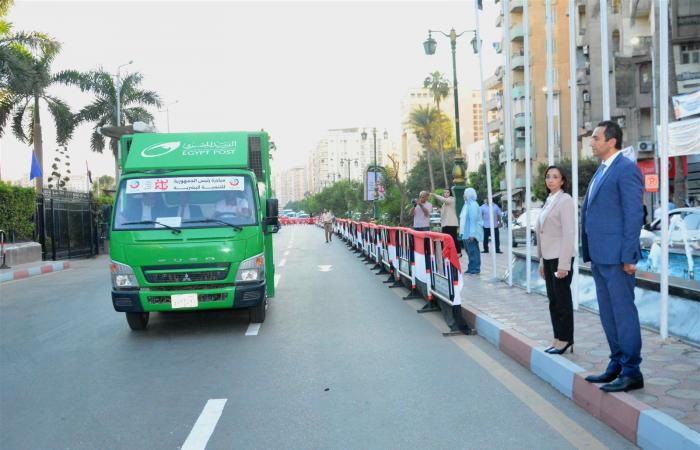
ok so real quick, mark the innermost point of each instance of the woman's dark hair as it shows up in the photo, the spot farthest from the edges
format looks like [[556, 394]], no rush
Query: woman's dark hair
[[564, 178], [447, 190]]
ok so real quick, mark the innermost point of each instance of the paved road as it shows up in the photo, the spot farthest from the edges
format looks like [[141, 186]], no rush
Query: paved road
[[340, 362]]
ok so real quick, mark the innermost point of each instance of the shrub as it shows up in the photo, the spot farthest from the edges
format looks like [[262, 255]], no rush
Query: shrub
[[17, 209]]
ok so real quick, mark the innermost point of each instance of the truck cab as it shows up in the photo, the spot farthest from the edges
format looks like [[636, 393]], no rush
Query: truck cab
[[192, 225]]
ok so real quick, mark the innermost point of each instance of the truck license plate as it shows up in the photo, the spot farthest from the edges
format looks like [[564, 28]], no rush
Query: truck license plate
[[184, 301]]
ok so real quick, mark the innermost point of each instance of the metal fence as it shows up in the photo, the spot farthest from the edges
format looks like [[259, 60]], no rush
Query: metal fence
[[66, 224]]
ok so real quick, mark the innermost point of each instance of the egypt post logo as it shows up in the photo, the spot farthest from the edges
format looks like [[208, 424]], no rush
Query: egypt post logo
[[159, 149]]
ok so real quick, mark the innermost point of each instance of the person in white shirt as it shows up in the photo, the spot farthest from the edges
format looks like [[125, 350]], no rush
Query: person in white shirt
[[233, 202]]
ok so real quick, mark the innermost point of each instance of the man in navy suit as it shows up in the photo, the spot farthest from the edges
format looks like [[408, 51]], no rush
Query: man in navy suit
[[611, 220]]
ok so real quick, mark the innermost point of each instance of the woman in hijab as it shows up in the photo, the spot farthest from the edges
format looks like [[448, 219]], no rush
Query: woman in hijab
[[472, 230]]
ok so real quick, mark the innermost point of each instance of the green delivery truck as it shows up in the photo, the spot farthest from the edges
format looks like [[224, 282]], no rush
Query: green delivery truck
[[192, 224]]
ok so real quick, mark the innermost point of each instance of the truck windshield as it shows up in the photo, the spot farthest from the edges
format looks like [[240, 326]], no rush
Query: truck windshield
[[185, 202]]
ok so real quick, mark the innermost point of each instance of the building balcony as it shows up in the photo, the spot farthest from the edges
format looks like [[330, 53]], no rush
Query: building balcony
[[502, 157], [499, 20], [494, 81], [519, 153], [519, 183], [518, 91], [495, 125], [493, 103], [516, 5], [519, 121], [517, 32], [517, 62]]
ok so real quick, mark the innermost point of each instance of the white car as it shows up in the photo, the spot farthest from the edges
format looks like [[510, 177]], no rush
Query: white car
[[519, 228], [690, 217]]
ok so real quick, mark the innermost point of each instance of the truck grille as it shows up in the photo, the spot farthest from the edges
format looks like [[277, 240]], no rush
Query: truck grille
[[187, 273], [165, 299]]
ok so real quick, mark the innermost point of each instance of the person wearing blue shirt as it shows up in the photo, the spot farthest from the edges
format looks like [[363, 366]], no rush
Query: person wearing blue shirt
[[611, 222]]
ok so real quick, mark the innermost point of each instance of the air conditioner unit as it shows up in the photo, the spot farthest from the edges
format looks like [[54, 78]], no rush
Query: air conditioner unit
[[645, 146], [587, 97], [520, 134], [620, 121], [585, 50]]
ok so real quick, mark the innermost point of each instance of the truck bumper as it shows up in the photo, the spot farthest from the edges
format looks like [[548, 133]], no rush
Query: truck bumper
[[249, 295], [245, 296], [126, 301]]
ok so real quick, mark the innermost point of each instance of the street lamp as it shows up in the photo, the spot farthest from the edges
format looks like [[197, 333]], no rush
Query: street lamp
[[429, 46], [167, 113], [376, 167], [119, 93], [349, 160]]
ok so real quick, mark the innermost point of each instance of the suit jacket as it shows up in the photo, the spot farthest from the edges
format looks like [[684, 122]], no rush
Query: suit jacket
[[611, 221], [556, 235]]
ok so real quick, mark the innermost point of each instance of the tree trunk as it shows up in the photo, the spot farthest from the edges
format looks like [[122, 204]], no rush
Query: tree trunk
[[430, 168], [38, 145]]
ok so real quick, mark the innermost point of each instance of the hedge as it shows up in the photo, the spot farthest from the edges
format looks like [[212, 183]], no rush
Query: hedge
[[17, 208]]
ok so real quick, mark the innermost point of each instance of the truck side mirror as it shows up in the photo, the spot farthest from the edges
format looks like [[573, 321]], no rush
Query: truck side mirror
[[271, 214]]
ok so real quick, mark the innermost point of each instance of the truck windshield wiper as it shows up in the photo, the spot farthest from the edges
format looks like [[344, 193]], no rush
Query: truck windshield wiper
[[223, 222], [175, 230]]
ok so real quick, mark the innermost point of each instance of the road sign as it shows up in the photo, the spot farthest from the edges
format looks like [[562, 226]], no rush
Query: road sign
[[651, 183]]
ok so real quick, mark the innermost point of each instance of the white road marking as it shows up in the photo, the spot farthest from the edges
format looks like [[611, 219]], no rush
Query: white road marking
[[253, 329], [283, 262], [277, 279], [327, 268], [204, 427]]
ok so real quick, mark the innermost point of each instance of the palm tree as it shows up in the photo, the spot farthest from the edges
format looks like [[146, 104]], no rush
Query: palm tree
[[439, 87], [22, 99], [103, 110], [423, 121]]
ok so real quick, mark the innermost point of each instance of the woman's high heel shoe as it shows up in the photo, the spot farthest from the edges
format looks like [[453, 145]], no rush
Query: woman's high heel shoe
[[556, 351]]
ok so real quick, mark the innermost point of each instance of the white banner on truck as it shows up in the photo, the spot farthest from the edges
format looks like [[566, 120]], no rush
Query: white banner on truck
[[179, 184]]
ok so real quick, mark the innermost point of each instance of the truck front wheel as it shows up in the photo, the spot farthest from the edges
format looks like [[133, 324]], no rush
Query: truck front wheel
[[257, 313], [137, 320]]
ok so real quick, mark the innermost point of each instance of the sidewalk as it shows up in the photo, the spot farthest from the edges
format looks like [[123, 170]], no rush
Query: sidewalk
[[666, 411], [21, 271]]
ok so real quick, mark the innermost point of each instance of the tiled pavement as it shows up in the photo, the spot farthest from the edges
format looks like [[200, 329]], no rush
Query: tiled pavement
[[671, 368]]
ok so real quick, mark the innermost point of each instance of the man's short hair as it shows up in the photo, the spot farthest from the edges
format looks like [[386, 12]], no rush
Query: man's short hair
[[612, 130]]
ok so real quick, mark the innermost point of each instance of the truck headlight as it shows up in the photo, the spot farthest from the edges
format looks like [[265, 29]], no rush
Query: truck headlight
[[123, 276], [251, 269]]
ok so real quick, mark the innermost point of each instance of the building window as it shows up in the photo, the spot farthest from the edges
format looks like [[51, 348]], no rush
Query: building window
[[616, 41], [615, 6], [688, 8], [645, 78], [690, 52]]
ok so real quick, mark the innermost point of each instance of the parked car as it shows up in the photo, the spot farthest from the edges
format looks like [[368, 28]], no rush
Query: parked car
[[519, 228], [691, 218]]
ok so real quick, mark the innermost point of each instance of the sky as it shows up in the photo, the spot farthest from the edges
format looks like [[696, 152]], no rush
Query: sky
[[295, 69]]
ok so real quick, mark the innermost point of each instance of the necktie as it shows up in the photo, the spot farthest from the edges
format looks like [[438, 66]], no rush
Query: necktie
[[594, 181]]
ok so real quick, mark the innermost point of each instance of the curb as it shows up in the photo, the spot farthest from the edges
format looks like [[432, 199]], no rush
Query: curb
[[20, 274], [635, 421]]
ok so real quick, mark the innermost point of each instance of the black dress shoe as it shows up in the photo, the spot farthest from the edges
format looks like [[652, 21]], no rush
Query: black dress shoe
[[624, 384], [605, 377]]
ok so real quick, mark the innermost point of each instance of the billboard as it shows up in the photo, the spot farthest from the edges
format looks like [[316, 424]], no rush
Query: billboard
[[373, 176]]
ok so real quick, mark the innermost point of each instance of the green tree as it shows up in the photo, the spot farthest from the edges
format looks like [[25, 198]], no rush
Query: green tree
[[103, 109], [477, 180], [422, 122], [22, 101], [420, 174], [439, 88]]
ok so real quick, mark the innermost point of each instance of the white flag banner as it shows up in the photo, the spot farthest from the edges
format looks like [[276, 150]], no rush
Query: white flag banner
[[683, 137], [686, 105]]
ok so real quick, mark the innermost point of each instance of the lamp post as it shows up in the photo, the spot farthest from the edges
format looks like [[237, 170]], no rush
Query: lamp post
[[349, 160], [459, 169], [375, 167], [167, 114], [119, 121]]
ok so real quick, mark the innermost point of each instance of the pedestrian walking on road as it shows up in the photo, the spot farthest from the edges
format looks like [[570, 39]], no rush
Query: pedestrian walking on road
[[555, 230], [611, 219], [487, 218], [471, 229], [448, 217], [327, 219], [421, 212]]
